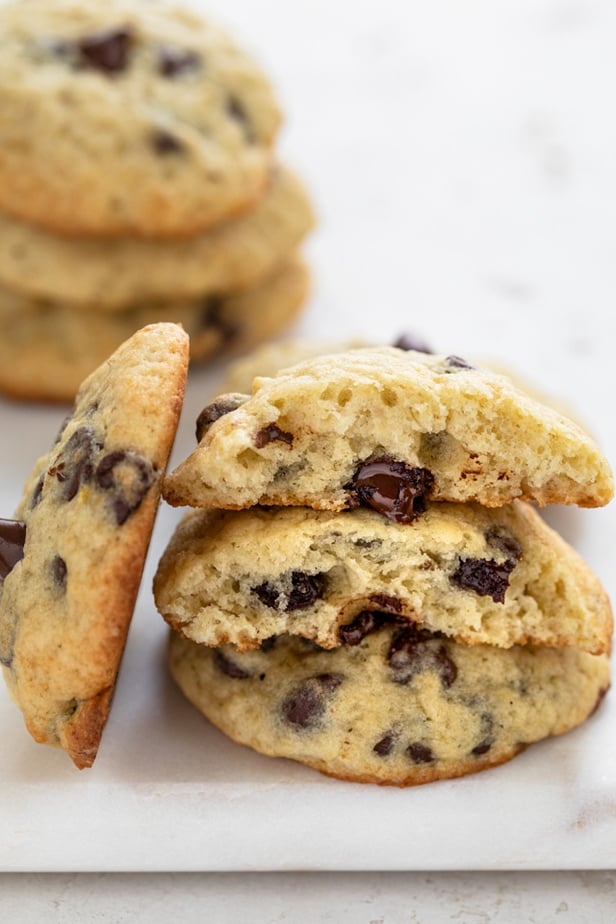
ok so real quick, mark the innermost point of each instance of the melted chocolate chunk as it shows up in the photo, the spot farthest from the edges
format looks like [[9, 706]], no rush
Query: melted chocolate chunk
[[305, 706], [107, 51], [366, 622], [304, 590], [392, 488], [412, 652], [410, 342], [12, 539], [164, 142], [384, 746], [270, 434], [486, 577], [74, 465], [59, 571], [176, 62], [268, 644], [500, 538], [420, 753], [214, 411], [458, 363], [228, 666], [128, 477], [236, 110]]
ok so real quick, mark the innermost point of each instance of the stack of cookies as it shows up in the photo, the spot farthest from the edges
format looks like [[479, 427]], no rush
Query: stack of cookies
[[364, 585], [138, 184]]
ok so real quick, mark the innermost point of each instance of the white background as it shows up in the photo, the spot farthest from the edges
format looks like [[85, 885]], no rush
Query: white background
[[461, 159]]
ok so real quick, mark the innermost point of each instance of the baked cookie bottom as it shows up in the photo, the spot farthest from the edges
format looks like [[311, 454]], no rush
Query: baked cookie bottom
[[402, 708]]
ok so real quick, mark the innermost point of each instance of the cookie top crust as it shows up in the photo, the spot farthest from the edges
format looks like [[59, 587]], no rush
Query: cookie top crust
[[390, 428], [128, 117], [87, 511], [401, 708], [497, 576], [112, 275]]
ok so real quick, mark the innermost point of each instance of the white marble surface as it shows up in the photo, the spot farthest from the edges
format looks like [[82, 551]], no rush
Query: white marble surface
[[461, 157]]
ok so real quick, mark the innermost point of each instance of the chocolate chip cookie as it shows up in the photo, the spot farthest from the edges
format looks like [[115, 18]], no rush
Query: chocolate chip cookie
[[111, 275], [389, 428], [72, 562], [480, 576], [401, 707], [48, 348], [128, 117]]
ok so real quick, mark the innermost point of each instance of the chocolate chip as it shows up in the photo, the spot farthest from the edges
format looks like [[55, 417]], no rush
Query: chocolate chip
[[164, 142], [445, 666], [270, 434], [175, 62], [267, 594], [297, 590], [214, 411], [305, 706], [268, 644], [228, 666], [59, 571], [420, 753], [106, 51], [213, 316], [458, 363], [236, 110], [392, 488], [12, 539], [38, 492], [305, 589], [410, 342], [384, 746], [366, 622], [487, 740], [486, 577], [75, 463], [500, 538], [412, 652], [128, 476]]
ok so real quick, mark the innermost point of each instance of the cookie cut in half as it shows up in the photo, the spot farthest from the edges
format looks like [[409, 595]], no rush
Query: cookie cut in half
[[400, 708], [388, 428], [499, 577], [73, 561]]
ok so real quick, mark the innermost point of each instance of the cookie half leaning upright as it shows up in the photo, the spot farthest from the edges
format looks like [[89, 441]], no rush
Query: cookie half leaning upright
[[85, 521]]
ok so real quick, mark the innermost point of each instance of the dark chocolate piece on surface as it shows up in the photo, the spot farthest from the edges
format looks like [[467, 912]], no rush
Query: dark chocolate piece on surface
[[484, 576], [12, 539], [411, 342], [306, 705], [420, 753], [228, 666], [214, 411], [107, 51], [176, 62], [164, 142], [128, 477]]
